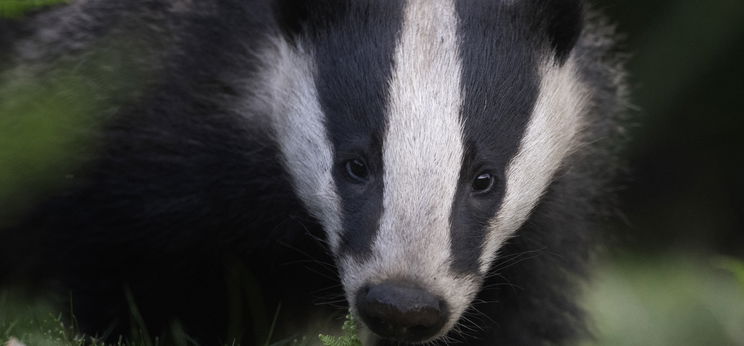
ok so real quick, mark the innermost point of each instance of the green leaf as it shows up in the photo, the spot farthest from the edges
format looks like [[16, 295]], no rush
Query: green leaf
[[350, 337]]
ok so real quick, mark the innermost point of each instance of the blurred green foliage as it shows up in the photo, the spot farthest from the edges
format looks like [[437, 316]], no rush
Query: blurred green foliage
[[734, 266], [31, 142], [667, 300], [41, 125], [17, 8], [51, 114], [663, 280]]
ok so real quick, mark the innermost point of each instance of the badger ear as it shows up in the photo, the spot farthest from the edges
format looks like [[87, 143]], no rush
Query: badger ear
[[297, 17], [565, 20], [291, 15]]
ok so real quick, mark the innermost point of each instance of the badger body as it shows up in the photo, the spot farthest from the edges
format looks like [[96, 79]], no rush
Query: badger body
[[441, 165]]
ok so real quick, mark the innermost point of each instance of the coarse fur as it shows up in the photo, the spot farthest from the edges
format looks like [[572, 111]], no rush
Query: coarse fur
[[215, 189]]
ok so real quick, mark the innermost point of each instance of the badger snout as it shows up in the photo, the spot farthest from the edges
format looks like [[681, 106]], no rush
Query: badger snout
[[401, 311]]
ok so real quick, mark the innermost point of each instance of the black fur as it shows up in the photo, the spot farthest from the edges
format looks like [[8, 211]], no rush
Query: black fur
[[530, 295], [500, 56], [179, 195], [183, 205], [355, 62], [563, 24]]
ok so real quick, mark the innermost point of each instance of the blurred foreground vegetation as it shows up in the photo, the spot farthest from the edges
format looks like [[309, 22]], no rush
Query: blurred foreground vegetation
[[17, 8], [667, 300]]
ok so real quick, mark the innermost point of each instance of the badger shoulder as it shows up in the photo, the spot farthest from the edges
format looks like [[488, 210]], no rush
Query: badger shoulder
[[147, 99]]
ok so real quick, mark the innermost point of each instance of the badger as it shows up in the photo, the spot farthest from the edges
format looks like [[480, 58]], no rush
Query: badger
[[437, 167]]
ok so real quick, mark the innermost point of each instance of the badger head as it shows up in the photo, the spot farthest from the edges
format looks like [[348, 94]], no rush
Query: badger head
[[421, 134]]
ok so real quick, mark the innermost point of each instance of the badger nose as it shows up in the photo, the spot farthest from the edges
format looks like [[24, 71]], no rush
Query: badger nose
[[400, 311]]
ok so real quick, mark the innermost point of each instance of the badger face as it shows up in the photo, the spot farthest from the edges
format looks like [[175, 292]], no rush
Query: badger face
[[421, 134]]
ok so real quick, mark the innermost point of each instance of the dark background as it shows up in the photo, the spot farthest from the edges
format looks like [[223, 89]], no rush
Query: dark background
[[672, 271], [686, 184]]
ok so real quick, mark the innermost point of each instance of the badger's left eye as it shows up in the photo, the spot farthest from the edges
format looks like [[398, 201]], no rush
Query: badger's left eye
[[483, 183]]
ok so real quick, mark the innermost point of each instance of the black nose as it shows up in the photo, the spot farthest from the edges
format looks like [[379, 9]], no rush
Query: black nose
[[401, 311]]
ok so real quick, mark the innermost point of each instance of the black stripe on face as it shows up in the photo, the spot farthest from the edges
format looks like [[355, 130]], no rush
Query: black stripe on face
[[500, 85], [355, 61]]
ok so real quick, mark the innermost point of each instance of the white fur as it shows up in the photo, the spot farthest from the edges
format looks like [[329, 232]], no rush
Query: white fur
[[422, 155], [551, 135], [298, 123]]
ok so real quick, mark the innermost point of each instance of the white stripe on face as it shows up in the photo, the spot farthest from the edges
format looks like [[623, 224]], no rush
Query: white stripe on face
[[298, 123], [422, 151], [551, 135], [422, 155]]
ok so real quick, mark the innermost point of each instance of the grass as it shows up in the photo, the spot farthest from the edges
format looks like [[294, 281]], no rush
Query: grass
[[665, 300], [34, 321]]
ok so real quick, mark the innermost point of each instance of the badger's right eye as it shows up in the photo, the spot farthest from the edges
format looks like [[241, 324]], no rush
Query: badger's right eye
[[357, 170], [483, 183]]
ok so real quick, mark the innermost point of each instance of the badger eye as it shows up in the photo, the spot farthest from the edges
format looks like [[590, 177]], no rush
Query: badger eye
[[483, 183], [357, 170]]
